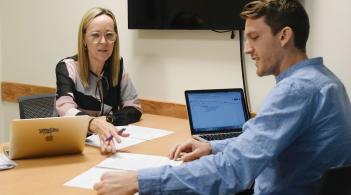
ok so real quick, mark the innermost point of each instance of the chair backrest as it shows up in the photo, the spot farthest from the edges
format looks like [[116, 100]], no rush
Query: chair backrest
[[336, 181], [37, 106]]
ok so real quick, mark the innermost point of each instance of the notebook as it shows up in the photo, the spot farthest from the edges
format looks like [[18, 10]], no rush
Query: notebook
[[47, 136], [216, 114]]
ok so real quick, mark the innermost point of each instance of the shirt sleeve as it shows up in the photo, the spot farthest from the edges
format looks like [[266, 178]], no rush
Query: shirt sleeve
[[131, 110], [233, 168], [219, 145], [65, 103]]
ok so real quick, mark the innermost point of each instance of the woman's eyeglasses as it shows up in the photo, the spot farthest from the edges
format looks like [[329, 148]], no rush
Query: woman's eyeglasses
[[96, 37]]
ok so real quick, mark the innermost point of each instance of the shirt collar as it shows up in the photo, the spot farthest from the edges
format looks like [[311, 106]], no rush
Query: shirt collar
[[297, 66]]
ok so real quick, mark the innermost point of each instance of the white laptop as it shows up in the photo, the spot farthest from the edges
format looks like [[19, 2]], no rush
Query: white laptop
[[47, 136]]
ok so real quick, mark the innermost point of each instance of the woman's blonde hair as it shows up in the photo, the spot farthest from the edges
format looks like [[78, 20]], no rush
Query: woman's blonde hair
[[83, 59]]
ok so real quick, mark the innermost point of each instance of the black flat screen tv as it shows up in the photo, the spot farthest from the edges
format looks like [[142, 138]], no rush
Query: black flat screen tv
[[186, 14]]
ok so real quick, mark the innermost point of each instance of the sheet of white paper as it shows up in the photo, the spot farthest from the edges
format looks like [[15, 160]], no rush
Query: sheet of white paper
[[138, 134], [88, 178], [145, 133], [129, 161], [94, 140]]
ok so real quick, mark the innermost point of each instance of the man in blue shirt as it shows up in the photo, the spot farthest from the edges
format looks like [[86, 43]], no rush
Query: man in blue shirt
[[302, 128]]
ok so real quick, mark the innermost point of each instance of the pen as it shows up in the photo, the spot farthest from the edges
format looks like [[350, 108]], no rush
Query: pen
[[119, 132]]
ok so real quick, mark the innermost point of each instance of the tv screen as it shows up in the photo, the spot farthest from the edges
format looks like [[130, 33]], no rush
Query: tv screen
[[186, 14]]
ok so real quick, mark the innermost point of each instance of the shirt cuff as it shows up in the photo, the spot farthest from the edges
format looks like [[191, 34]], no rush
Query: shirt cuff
[[150, 181], [218, 145], [72, 112]]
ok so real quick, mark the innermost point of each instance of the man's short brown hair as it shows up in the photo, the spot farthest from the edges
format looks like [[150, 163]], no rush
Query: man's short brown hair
[[279, 14]]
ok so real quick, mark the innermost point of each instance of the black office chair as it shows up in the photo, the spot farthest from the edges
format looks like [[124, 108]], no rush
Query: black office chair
[[336, 181], [37, 106], [246, 192]]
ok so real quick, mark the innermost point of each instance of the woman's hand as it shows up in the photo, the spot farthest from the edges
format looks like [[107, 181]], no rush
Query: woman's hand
[[107, 133]]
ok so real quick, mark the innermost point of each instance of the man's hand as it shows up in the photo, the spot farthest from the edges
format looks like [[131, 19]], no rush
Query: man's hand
[[117, 183], [190, 150], [107, 132]]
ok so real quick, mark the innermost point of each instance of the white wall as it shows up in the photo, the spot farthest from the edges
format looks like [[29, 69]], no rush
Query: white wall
[[330, 36], [162, 64]]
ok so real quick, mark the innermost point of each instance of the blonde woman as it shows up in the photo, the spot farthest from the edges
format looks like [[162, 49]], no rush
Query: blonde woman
[[94, 82]]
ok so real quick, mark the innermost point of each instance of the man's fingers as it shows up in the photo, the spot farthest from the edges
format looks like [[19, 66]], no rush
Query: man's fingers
[[189, 157], [179, 150], [105, 175], [172, 152], [98, 185], [184, 147]]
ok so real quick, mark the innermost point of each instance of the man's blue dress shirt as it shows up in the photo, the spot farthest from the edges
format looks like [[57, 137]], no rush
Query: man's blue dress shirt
[[303, 127]]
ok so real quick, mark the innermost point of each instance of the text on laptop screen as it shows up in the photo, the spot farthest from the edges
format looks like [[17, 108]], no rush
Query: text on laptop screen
[[216, 111]]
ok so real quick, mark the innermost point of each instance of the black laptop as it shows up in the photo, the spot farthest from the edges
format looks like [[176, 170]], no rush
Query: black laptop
[[216, 114]]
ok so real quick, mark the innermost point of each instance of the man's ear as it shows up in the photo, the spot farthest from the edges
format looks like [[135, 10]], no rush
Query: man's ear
[[286, 36]]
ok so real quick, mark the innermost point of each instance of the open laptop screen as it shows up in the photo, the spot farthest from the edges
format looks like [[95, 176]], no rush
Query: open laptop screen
[[218, 110]]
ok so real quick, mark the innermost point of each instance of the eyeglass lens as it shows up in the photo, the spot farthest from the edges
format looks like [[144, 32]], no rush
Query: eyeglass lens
[[96, 37]]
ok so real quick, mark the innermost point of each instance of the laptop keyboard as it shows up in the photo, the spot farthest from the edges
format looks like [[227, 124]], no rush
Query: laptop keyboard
[[220, 136]]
